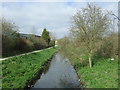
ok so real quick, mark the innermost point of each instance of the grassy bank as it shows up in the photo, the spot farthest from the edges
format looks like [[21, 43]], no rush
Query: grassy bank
[[103, 74], [20, 70], [9, 54]]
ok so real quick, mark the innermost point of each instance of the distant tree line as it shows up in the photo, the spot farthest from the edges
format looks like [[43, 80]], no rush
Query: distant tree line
[[13, 43]]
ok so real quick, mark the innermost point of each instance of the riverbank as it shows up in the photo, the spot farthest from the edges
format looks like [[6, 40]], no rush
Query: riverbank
[[103, 74], [18, 71], [1, 59]]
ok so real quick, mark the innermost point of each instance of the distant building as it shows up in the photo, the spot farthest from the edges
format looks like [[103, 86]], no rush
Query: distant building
[[21, 35], [27, 36]]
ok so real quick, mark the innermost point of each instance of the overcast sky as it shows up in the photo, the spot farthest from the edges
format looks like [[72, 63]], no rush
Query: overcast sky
[[55, 16]]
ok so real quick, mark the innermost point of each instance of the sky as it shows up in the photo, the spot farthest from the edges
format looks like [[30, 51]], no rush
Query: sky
[[55, 16]]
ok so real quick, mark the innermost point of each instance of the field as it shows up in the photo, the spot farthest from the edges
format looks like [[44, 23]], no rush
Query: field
[[19, 70], [103, 74]]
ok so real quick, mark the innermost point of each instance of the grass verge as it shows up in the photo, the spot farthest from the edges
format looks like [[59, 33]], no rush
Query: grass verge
[[103, 74], [9, 54], [20, 70]]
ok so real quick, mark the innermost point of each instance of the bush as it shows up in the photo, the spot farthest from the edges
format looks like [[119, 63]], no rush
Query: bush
[[109, 47], [11, 40], [8, 44], [24, 45], [38, 43], [43, 43], [52, 43], [9, 36]]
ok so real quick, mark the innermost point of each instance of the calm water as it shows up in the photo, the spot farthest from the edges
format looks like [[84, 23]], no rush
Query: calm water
[[59, 74]]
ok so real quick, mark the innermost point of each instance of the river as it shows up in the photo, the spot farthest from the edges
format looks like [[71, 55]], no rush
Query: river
[[58, 74]]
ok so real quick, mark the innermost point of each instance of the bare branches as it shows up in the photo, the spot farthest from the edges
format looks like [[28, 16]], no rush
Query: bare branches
[[111, 13], [90, 24]]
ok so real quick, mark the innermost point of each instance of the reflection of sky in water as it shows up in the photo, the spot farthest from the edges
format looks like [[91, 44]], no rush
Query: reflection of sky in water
[[59, 75]]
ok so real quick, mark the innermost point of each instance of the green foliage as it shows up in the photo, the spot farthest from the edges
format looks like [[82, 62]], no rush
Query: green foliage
[[52, 43], [19, 70], [89, 26], [104, 74], [11, 40], [92, 37], [9, 36], [89, 35], [46, 36], [109, 47], [24, 45], [38, 43]]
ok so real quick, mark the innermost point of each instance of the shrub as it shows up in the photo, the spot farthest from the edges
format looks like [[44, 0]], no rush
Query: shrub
[[43, 43], [38, 43], [109, 47], [52, 43], [11, 40], [8, 44], [24, 45], [9, 36]]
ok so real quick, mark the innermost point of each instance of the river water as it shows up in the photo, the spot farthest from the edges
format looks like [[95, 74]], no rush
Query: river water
[[58, 74]]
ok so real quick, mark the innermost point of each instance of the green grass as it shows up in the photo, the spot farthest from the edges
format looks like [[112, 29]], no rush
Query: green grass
[[103, 74], [9, 54], [19, 70]]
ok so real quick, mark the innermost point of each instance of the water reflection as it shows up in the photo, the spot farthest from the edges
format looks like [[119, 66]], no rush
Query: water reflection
[[60, 74], [67, 82], [46, 68]]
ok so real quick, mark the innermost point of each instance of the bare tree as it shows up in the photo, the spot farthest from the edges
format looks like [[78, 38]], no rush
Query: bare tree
[[89, 26], [53, 38], [111, 13], [53, 35], [34, 30]]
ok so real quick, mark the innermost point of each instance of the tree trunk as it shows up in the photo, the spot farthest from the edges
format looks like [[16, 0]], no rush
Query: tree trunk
[[90, 61]]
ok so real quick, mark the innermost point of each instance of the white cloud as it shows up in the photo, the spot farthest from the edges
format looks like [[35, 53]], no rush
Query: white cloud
[[54, 16], [41, 15], [111, 7], [60, 0], [34, 1], [0, 9]]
